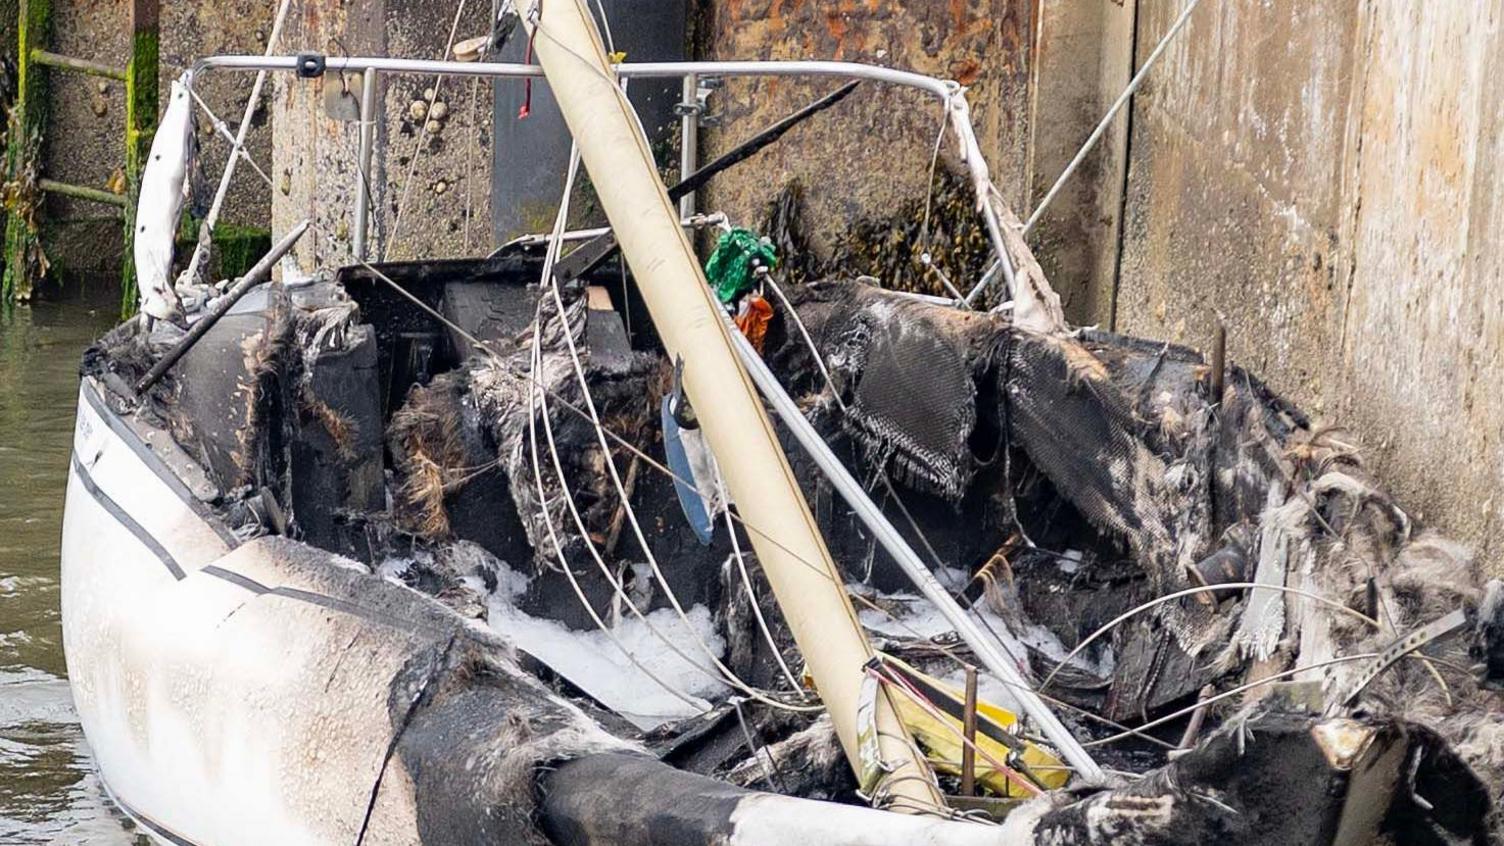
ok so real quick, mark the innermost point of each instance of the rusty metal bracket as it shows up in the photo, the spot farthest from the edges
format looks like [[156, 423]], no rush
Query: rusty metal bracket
[[1403, 646]]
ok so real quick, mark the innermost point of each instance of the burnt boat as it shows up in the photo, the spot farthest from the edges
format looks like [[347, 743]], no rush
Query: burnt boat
[[447, 552]]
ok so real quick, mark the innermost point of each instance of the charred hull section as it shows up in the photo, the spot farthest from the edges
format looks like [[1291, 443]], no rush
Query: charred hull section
[[331, 438]]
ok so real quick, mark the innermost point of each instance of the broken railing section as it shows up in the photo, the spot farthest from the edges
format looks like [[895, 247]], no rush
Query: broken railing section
[[259, 273]]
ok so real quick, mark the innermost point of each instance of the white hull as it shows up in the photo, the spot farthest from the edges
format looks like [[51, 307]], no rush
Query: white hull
[[206, 674]]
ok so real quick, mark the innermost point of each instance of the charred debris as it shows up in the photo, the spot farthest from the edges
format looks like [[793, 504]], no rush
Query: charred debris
[[1062, 482]]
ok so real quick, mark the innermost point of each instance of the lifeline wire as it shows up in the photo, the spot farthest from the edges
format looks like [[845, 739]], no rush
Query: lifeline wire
[[1154, 603], [658, 467]]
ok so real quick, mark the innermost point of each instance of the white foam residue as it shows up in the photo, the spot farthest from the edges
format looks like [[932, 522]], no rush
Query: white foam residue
[[589, 659], [952, 578], [990, 689], [393, 567]]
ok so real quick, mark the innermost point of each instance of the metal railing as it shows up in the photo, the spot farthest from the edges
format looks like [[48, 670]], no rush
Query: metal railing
[[949, 92]]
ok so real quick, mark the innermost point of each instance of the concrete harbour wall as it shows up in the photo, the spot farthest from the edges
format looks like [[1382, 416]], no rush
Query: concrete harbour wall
[[1329, 179]]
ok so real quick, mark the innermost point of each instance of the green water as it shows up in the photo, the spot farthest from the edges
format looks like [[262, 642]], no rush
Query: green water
[[49, 792]]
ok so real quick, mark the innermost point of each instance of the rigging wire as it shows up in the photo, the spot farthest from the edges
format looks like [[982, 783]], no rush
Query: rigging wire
[[1169, 597], [1341, 659], [657, 466], [741, 565], [549, 281]]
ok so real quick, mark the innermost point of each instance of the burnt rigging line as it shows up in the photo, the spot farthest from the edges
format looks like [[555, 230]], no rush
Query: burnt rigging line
[[574, 583], [660, 468], [1169, 597], [730, 680], [552, 283], [1341, 659], [741, 565]]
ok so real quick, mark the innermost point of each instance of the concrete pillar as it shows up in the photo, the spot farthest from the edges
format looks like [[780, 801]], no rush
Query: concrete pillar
[[1083, 59]]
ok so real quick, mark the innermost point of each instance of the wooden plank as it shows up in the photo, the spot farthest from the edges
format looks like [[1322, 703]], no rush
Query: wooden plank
[[93, 195], [84, 66]]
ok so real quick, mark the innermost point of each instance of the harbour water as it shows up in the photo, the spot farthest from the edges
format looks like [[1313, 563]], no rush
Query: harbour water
[[49, 792]]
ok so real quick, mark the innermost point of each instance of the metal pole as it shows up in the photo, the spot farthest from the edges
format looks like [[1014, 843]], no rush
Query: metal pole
[[93, 195], [363, 165], [940, 88], [986, 648], [1096, 134], [689, 139], [947, 91], [253, 277]]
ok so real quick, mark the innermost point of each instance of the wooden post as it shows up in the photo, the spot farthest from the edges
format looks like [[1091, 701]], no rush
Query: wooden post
[[23, 247], [140, 126]]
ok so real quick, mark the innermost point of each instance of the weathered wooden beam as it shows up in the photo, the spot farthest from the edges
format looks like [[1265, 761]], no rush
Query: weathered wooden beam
[[28, 117], [140, 126], [84, 66], [93, 195]]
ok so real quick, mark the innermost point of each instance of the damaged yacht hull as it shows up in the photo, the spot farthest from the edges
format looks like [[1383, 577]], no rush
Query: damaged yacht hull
[[205, 672], [271, 692]]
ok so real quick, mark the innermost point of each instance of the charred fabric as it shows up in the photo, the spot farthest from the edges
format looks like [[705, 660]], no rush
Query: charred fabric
[[1070, 478]]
